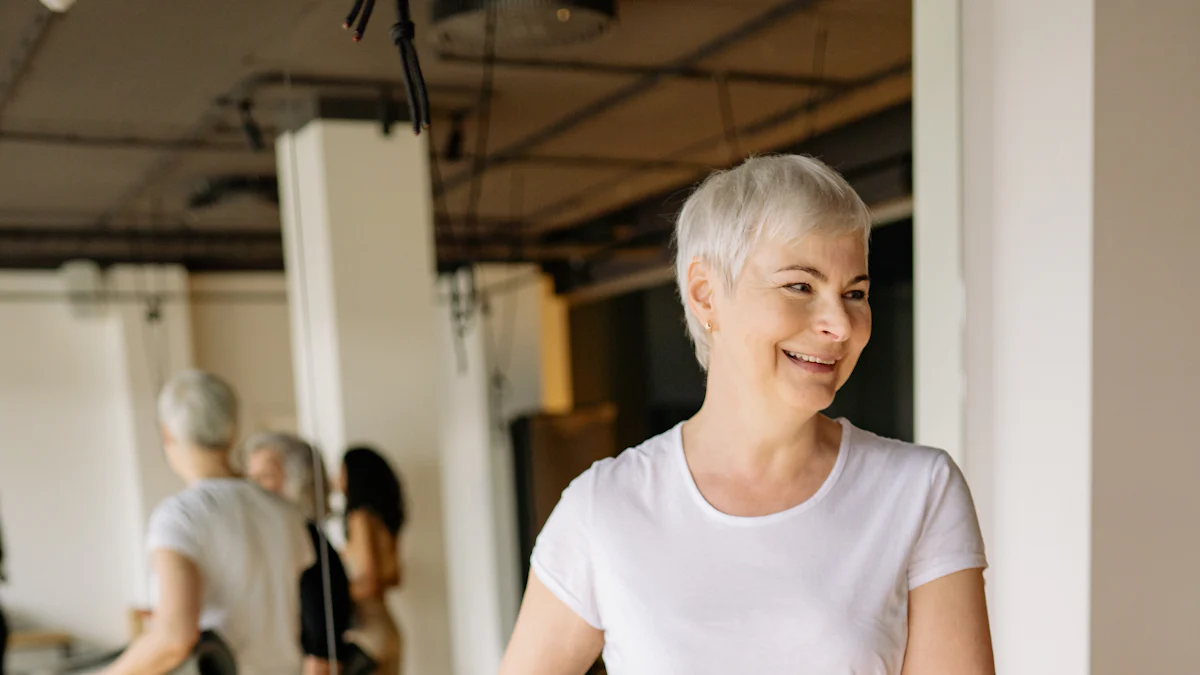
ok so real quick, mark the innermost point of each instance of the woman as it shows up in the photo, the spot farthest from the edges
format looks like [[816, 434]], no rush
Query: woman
[[226, 556], [286, 465], [374, 519], [761, 536]]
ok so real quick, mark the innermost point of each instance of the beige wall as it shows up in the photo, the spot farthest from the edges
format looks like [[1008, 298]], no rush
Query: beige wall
[[241, 332], [1146, 459]]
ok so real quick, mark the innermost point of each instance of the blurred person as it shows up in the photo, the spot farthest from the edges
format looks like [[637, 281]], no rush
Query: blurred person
[[226, 555], [761, 536], [374, 519], [286, 465]]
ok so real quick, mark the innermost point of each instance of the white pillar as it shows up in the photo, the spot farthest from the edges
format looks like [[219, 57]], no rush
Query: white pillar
[[358, 236], [514, 340], [937, 215], [1077, 168]]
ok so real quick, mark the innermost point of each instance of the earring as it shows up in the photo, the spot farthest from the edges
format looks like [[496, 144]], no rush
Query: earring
[[708, 326]]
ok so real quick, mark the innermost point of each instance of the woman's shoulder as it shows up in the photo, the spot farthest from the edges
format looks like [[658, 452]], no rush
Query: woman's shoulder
[[632, 470], [894, 457]]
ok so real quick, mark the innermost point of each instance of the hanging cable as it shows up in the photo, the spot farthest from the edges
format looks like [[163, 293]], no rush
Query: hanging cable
[[304, 305], [820, 48], [728, 123], [403, 32], [464, 305]]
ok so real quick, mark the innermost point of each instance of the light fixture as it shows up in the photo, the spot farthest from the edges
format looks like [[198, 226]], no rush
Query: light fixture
[[461, 24], [59, 6]]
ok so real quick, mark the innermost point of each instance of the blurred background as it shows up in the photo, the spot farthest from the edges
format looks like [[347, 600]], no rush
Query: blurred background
[[236, 186]]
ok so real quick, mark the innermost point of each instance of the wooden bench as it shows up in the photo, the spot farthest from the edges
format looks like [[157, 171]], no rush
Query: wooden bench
[[40, 639]]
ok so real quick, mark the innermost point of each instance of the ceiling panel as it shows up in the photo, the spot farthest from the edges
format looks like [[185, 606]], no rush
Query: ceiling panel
[[48, 178]]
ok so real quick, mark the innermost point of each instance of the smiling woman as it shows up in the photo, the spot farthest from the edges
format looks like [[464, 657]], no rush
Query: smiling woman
[[761, 536]]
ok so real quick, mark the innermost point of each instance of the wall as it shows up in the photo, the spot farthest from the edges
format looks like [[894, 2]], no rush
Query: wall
[[1146, 505], [241, 331], [1027, 226], [68, 478]]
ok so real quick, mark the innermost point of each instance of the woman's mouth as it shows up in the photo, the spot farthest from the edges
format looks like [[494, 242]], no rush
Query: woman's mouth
[[811, 362]]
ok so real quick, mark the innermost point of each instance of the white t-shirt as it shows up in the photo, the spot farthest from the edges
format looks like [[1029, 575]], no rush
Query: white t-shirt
[[821, 589], [251, 547]]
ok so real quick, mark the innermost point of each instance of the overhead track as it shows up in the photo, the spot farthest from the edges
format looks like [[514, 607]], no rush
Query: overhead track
[[625, 70]]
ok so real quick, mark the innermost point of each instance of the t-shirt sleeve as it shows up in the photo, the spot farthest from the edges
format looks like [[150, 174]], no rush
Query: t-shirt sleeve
[[950, 540], [562, 556], [172, 528]]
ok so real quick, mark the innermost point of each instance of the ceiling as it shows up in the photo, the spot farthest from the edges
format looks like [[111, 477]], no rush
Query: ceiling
[[113, 113]]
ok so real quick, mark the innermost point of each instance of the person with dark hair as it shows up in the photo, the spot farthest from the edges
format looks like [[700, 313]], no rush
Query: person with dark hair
[[374, 519]]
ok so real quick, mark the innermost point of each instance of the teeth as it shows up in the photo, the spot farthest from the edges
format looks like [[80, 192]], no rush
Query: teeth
[[810, 359]]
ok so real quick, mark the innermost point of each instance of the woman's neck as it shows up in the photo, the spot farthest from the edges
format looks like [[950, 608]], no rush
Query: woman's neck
[[205, 464], [751, 438]]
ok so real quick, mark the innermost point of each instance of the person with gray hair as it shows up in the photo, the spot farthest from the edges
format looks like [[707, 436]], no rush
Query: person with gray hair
[[226, 556], [284, 464], [761, 536]]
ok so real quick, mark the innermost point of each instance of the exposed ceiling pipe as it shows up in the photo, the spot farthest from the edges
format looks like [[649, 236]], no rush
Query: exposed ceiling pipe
[[744, 131], [240, 146], [754, 77], [638, 87], [246, 90], [117, 142]]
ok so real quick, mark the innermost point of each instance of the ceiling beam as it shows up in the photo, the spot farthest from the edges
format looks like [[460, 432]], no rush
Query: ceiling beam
[[245, 249], [624, 70]]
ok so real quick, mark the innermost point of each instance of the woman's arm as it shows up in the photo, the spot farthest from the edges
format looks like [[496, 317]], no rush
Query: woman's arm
[[176, 624], [948, 631], [360, 550], [549, 638]]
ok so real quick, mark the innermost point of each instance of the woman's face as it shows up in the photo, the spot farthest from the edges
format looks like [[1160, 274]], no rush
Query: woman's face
[[797, 320], [265, 467]]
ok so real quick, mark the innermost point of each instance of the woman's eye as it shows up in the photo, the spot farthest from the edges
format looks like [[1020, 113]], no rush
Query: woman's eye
[[800, 288], [856, 295]]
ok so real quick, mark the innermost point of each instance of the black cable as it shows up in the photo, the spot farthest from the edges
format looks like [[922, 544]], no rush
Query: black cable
[[729, 125], [353, 14], [402, 34], [483, 123], [368, 8]]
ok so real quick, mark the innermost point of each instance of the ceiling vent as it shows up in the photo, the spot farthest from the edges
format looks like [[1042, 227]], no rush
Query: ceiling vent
[[461, 24]]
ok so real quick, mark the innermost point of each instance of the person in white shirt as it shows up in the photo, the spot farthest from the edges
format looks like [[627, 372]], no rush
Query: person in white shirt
[[226, 555], [761, 536]]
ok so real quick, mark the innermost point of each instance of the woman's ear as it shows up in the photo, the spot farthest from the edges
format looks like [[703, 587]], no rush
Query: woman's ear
[[701, 283]]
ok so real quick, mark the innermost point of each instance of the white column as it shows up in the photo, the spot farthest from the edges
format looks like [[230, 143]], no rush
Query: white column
[[1078, 229], [358, 235], [937, 225], [511, 340]]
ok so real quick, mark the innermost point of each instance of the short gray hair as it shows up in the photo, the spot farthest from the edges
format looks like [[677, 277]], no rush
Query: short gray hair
[[774, 195], [199, 408], [304, 482]]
